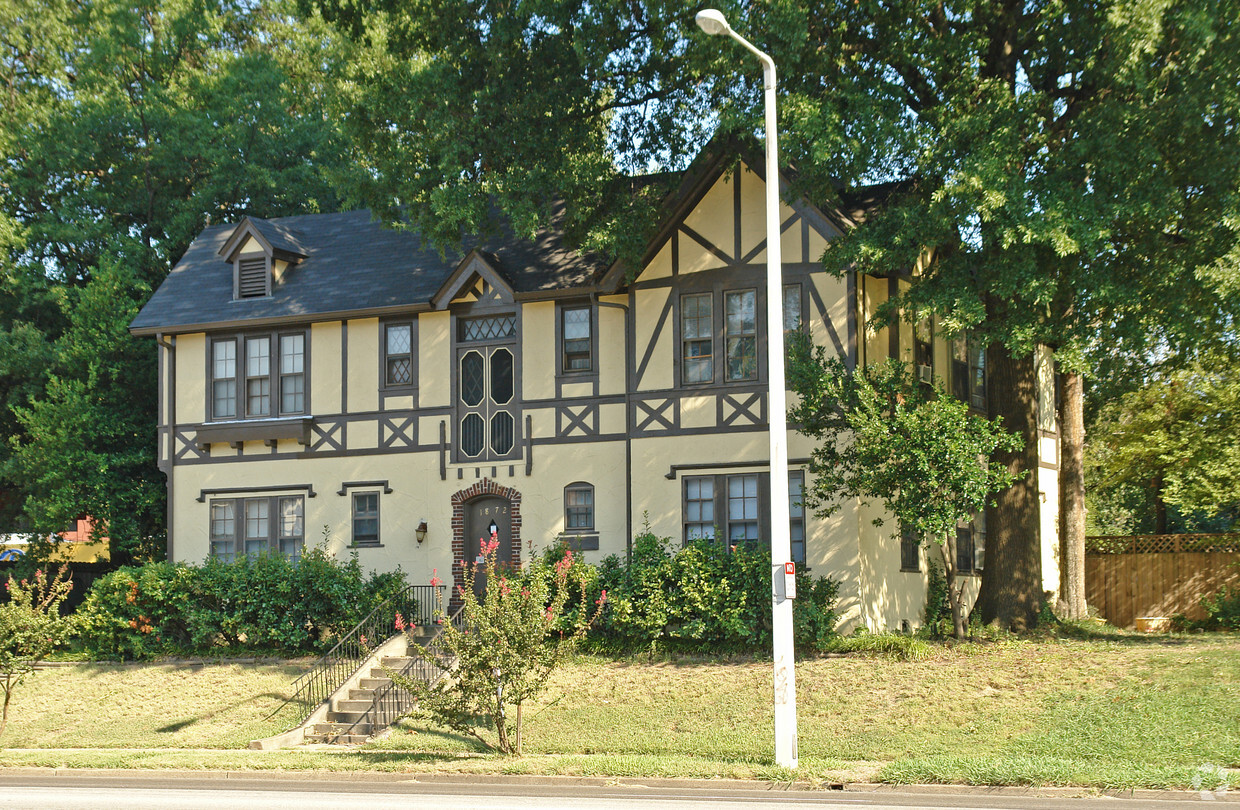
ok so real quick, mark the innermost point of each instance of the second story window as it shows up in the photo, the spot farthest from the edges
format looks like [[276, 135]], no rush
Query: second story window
[[969, 371], [577, 345], [488, 410], [697, 330], [794, 319], [740, 330], [398, 355], [923, 352], [256, 385]]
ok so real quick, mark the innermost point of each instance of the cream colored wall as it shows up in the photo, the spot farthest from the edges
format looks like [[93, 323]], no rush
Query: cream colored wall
[[418, 494], [434, 360], [539, 352], [191, 382], [363, 370], [648, 304], [611, 346], [873, 292], [1048, 490], [324, 389]]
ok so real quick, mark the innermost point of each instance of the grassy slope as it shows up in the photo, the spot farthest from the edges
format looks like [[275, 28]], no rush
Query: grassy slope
[[1126, 713]]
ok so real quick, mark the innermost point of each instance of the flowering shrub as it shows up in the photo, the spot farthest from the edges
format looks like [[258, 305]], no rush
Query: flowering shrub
[[508, 645], [30, 628]]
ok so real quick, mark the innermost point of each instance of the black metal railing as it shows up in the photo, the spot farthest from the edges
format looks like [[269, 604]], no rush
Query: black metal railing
[[430, 664], [417, 605]]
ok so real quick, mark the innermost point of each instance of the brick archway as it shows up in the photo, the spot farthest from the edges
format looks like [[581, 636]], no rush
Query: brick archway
[[483, 489]]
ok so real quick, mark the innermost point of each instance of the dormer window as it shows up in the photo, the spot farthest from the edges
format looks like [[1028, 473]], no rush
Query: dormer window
[[261, 252]]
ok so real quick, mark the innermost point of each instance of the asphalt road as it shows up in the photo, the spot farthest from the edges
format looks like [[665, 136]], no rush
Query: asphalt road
[[158, 791]]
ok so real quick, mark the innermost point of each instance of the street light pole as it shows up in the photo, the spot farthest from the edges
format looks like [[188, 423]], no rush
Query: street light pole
[[713, 22]]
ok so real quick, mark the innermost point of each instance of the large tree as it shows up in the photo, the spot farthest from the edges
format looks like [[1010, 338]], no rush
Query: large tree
[[123, 129], [1070, 166]]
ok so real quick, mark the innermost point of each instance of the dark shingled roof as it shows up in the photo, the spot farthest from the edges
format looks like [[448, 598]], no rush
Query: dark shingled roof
[[352, 264]]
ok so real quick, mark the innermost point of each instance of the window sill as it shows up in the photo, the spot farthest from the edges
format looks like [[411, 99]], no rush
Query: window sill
[[910, 570], [364, 545]]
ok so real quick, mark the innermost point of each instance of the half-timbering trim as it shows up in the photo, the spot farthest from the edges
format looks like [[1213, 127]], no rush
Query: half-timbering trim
[[728, 465]]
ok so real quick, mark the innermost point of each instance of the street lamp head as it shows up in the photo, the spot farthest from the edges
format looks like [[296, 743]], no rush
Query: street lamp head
[[712, 21]]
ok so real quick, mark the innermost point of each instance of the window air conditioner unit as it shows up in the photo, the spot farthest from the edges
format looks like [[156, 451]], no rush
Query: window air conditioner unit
[[924, 374]]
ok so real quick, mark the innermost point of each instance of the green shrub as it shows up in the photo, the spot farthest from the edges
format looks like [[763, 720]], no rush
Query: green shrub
[[266, 604], [936, 620], [703, 597], [1222, 609]]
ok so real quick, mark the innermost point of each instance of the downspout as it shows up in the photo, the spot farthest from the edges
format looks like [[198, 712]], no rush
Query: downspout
[[168, 368], [628, 434]]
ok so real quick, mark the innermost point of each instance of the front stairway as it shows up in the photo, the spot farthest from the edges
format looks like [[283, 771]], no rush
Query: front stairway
[[352, 717], [348, 695]]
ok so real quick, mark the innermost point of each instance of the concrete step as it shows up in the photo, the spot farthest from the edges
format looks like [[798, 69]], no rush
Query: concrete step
[[361, 694], [336, 739], [374, 683], [354, 706], [350, 717], [336, 727]]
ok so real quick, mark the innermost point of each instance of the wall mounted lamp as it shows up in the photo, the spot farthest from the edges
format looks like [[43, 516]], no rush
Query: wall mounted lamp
[[420, 532]]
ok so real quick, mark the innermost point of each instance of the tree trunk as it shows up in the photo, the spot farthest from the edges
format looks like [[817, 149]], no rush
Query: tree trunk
[[953, 595], [1160, 506], [518, 729], [1011, 591], [1072, 496]]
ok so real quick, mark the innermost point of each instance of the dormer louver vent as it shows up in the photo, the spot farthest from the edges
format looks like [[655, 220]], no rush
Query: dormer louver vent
[[252, 277]]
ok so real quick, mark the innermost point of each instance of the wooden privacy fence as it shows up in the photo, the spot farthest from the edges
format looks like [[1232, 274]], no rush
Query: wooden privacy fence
[[1157, 574]]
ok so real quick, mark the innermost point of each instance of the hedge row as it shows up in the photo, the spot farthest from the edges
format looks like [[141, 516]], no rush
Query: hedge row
[[266, 604]]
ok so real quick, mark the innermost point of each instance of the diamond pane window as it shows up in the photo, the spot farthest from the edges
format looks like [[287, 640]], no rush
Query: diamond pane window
[[501, 433], [495, 327], [576, 327], [473, 431], [501, 376], [741, 329], [399, 355], [473, 379]]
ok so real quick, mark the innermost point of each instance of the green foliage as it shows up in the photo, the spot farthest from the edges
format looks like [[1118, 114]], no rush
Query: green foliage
[[894, 645], [30, 628], [266, 604], [704, 597], [880, 437], [506, 648], [1172, 444], [936, 619], [125, 128], [1222, 609]]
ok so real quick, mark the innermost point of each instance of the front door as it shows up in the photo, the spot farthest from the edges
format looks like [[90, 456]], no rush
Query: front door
[[485, 518]]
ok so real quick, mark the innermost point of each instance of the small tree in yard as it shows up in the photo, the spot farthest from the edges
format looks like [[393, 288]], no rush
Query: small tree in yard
[[924, 456], [30, 628], [506, 648]]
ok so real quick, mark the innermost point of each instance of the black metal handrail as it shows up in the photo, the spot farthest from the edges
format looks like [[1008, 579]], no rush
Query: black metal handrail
[[430, 665], [417, 605]]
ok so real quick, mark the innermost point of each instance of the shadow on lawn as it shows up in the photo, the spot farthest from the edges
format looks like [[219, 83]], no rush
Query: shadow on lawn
[[181, 725]]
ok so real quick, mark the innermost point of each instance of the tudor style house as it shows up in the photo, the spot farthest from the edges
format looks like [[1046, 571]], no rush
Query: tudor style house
[[325, 380]]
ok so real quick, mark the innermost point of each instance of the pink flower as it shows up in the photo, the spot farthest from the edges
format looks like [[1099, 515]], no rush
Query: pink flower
[[400, 622], [602, 598], [460, 589], [435, 580], [363, 640], [547, 613]]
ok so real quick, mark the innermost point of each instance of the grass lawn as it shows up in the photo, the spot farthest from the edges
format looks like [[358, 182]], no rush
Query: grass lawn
[[1127, 712]]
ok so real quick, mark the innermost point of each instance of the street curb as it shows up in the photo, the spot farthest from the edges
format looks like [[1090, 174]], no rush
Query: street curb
[[665, 783]]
